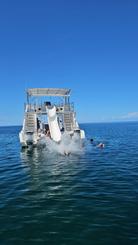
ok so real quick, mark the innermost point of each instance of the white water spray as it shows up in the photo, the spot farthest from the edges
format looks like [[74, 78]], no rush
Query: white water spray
[[67, 145]]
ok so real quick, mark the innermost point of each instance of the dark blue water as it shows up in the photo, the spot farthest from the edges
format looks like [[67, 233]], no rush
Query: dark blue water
[[87, 198]]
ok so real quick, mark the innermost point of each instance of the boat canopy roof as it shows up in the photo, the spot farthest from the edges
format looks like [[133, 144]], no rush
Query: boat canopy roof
[[48, 92]]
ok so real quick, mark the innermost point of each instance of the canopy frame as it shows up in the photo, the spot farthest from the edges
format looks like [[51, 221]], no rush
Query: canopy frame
[[56, 92]]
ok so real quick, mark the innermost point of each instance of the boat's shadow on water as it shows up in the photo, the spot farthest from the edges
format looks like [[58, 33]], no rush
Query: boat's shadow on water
[[49, 167]]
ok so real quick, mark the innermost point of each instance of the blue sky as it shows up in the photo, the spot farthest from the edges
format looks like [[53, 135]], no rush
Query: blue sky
[[89, 46]]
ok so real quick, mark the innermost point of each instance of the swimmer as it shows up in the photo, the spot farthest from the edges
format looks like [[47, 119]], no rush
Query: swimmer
[[66, 153], [101, 145], [91, 140]]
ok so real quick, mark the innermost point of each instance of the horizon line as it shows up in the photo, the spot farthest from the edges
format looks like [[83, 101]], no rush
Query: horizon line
[[98, 122]]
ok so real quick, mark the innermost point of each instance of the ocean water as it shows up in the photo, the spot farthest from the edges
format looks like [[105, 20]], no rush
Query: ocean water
[[88, 197]]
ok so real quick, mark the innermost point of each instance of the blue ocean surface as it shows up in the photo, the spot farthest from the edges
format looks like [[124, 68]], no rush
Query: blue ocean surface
[[85, 198]]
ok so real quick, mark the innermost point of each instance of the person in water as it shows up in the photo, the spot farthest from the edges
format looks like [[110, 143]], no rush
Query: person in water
[[100, 145]]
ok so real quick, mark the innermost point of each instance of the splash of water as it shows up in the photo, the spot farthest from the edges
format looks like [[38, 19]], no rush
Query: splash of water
[[67, 145]]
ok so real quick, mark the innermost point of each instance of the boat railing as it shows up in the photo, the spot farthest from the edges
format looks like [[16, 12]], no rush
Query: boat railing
[[42, 107]]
